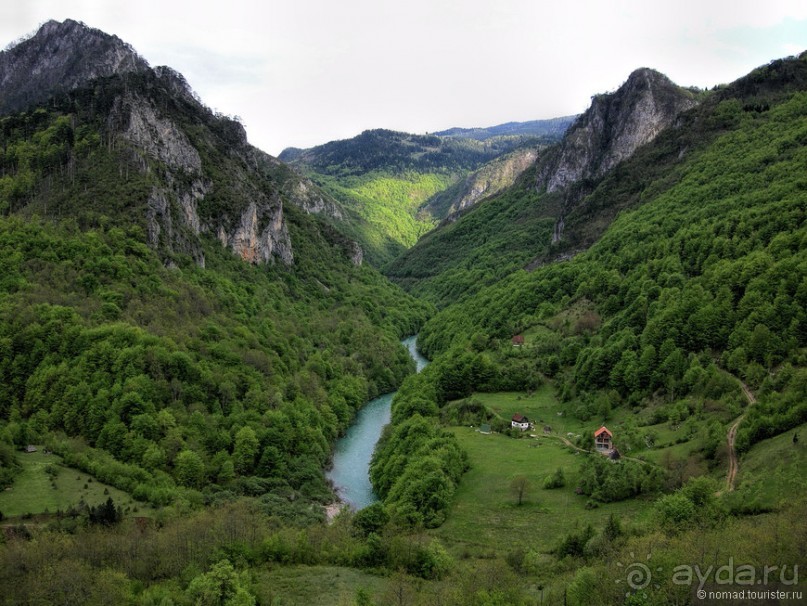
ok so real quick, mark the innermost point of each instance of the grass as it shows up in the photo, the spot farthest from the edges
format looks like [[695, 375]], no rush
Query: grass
[[33, 490], [541, 407], [484, 515], [772, 472], [321, 585]]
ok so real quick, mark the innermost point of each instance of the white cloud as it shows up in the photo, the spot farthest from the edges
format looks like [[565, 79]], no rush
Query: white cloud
[[304, 72]]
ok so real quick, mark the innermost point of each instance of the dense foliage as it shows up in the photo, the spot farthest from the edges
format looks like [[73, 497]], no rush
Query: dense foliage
[[526, 227], [488, 243], [178, 379], [382, 208], [713, 264], [385, 179]]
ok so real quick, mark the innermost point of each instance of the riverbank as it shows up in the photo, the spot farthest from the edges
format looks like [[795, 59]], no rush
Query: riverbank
[[350, 471]]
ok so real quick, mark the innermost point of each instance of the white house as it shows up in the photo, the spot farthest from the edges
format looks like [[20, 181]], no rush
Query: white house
[[519, 421]]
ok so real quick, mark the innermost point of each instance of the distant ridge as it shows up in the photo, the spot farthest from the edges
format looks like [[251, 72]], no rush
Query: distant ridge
[[553, 127]]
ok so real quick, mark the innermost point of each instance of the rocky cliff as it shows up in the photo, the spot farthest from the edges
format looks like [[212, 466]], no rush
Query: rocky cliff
[[61, 57], [204, 176], [489, 180], [613, 127]]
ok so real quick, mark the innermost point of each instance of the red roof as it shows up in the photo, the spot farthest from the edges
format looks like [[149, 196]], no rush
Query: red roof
[[518, 340], [602, 430], [519, 418]]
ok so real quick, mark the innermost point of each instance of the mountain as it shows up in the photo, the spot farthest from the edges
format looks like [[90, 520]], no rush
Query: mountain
[[613, 127], [554, 127], [526, 220], [680, 324], [195, 171], [493, 177], [61, 57], [399, 152], [200, 387], [177, 317], [384, 180]]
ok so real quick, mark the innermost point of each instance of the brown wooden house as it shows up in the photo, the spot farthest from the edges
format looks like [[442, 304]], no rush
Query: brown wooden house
[[603, 440]]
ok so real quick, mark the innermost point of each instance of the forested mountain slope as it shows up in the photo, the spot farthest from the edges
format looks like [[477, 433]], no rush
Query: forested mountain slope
[[172, 317], [711, 261], [386, 180], [528, 218], [553, 127], [692, 300]]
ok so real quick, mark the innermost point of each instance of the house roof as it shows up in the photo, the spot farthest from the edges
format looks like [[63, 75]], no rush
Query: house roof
[[603, 430], [518, 339], [519, 418]]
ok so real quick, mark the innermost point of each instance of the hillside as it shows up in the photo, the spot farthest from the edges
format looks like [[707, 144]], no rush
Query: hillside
[[173, 317], [527, 219], [386, 180], [187, 326], [681, 326], [554, 127], [493, 177]]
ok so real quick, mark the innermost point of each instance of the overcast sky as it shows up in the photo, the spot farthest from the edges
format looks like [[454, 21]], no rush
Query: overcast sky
[[303, 72]]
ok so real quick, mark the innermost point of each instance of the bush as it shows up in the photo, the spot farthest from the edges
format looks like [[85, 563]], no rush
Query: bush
[[555, 480]]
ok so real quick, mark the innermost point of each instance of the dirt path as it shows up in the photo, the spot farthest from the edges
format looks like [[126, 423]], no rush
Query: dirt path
[[734, 465]]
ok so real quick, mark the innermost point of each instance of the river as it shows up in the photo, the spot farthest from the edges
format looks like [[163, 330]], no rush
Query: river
[[350, 473]]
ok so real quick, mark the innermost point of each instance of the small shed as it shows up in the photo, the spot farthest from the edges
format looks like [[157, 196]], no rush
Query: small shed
[[484, 428], [518, 340], [519, 421], [30, 448], [603, 440]]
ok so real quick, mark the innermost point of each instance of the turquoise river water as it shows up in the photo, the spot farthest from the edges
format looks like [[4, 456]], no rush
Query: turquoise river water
[[350, 473]]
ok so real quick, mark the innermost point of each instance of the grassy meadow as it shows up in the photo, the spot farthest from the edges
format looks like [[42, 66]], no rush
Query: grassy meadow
[[772, 472], [46, 486], [323, 585], [485, 516]]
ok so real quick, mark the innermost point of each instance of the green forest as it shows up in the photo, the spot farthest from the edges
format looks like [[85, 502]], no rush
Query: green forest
[[386, 181], [168, 411]]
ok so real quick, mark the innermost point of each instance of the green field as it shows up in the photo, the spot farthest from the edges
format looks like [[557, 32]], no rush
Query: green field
[[541, 407], [322, 585], [484, 515], [772, 472], [33, 490]]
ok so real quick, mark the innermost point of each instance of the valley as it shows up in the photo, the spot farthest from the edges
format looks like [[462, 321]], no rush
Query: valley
[[198, 335]]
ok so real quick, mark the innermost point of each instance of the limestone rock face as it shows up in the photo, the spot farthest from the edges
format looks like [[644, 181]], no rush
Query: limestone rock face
[[493, 177], [356, 253], [613, 127], [206, 177], [256, 245], [313, 202], [155, 135], [61, 57]]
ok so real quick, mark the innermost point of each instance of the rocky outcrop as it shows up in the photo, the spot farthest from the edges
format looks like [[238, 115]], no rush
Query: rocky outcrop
[[256, 245], [495, 176], [61, 57], [613, 127], [149, 114], [312, 201], [157, 136], [356, 253]]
